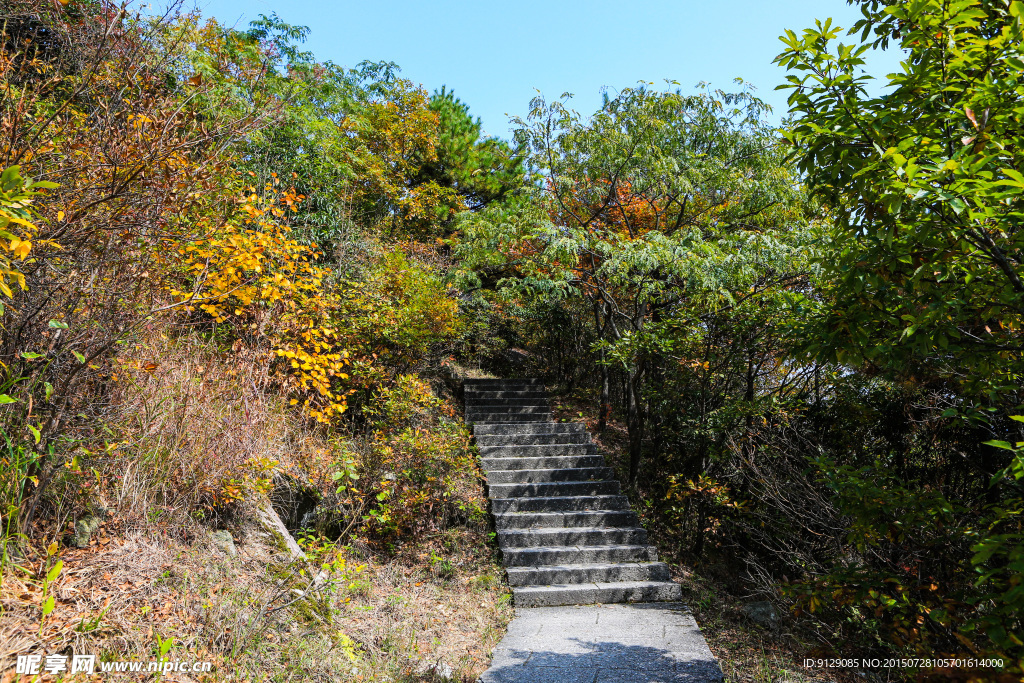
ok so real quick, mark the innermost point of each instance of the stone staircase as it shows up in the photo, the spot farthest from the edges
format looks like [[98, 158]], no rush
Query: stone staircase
[[566, 534]]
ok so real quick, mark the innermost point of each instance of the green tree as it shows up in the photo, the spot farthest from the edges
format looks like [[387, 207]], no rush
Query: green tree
[[923, 265], [657, 209], [481, 170], [925, 183]]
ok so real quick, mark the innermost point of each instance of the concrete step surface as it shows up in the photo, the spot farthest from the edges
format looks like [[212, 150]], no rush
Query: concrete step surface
[[505, 417], [546, 428], [597, 572], [498, 403], [559, 503], [590, 593], [570, 536], [548, 489], [499, 415], [541, 476], [487, 440], [508, 408], [477, 394], [543, 449], [542, 463], [562, 554], [583, 518], [503, 384]]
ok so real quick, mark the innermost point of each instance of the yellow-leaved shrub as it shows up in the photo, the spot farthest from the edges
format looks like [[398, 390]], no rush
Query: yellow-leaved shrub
[[252, 273]]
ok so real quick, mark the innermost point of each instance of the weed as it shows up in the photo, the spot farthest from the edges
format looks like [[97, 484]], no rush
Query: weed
[[441, 567], [17, 461], [50, 574]]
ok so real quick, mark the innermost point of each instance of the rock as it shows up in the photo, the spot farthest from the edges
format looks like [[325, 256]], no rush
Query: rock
[[270, 521], [84, 529], [294, 501], [223, 541], [442, 670], [88, 525], [761, 612], [517, 358], [439, 669]]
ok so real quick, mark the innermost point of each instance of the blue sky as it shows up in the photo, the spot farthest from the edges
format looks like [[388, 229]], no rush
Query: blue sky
[[496, 55]]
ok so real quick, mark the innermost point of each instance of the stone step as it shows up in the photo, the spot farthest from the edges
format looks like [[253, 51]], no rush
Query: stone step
[[546, 575], [544, 428], [549, 489], [507, 417], [587, 594], [503, 384], [573, 474], [479, 394], [542, 463], [539, 451], [531, 439], [536, 556], [508, 409], [582, 518], [566, 536], [559, 504], [504, 403]]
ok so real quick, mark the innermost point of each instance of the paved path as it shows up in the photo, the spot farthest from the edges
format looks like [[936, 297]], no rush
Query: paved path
[[567, 535], [639, 643]]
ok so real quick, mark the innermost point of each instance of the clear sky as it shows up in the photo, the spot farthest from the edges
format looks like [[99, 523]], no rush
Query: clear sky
[[496, 55]]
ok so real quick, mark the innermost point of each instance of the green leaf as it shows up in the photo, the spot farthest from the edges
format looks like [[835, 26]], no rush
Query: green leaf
[[35, 432], [54, 571], [80, 357], [48, 605], [31, 355], [58, 324], [4, 399], [1015, 175]]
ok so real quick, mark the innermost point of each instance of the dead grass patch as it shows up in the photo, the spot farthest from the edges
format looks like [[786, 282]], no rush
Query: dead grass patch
[[434, 607], [193, 436]]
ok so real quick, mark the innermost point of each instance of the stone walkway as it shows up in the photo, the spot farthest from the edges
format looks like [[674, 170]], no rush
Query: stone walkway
[[639, 643], [566, 533], [568, 537]]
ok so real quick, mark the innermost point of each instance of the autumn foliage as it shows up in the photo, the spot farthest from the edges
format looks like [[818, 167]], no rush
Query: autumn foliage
[[137, 201]]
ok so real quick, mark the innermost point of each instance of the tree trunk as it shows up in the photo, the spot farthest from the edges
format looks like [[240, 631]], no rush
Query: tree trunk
[[606, 406], [634, 424]]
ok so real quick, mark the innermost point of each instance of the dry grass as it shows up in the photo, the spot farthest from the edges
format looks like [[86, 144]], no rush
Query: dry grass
[[198, 427], [373, 620], [442, 604], [193, 436], [112, 599]]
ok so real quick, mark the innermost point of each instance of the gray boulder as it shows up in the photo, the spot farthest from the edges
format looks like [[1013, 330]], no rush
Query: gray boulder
[[223, 542], [87, 526], [762, 613]]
